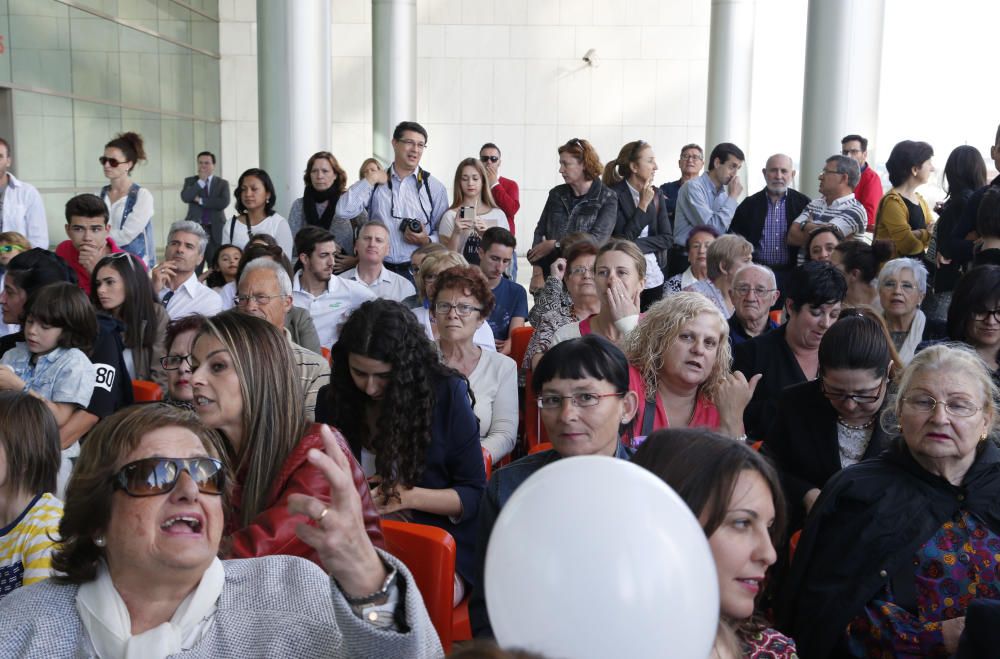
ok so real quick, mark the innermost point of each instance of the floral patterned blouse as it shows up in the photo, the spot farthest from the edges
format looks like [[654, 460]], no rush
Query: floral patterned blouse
[[958, 564], [769, 644]]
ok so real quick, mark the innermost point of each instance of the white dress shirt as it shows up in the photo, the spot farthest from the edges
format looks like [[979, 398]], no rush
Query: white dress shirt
[[24, 212], [331, 308], [191, 297], [388, 285]]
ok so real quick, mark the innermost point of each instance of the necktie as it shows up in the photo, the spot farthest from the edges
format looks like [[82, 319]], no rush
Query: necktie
[[166, 298]]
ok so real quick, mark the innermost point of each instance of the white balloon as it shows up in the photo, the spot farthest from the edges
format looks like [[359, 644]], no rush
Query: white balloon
[[597, 557]]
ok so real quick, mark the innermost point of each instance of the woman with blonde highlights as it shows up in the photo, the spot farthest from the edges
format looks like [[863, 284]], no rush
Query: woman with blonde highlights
[[679, 359], [463, 234]]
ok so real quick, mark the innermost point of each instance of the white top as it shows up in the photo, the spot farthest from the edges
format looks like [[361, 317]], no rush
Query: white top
[[482, 338], [387, 285], [226, 294], [494, 218], [275, 226], [572, 330], [330, 309], [141, 215], [24, 212], [494, 383], [190, 298]]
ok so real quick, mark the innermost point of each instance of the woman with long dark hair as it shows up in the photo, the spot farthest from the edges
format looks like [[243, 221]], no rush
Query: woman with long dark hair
[[255, 199], [408, 419], [325, 180], [121, 288], [964, 173]]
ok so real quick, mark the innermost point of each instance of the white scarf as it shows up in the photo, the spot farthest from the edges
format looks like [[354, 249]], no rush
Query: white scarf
[[107, 621], [913, 337]]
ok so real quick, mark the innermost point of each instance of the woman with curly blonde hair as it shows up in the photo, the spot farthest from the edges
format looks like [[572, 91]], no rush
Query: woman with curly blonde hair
[[679, 365]]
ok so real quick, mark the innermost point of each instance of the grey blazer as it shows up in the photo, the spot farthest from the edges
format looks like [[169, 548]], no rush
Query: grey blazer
[[276, 606], [215, 202]]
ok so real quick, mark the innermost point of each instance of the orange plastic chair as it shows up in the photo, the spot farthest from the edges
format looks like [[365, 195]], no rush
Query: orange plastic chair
[[326, 353], [538, 448], [776, 316], [487, 462], [145, 391], [519, 338], [534, 431], [793, 544], [429, 553]]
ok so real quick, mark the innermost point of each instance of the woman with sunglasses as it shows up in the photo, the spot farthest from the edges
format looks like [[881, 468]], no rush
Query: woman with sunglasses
[[246, 387], [139, 573], [832, 422], [899, 547], [121, 288], [12, 243], [130, 206], [409, 420], [255, 214]]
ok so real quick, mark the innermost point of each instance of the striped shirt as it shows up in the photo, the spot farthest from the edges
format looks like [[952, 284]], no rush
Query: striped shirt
[[26, 544], [425, 200], [846, 213]]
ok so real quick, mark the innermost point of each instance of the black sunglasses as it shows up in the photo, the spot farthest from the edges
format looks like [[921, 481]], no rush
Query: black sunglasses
[[152, 476], [489, 158], [114, 162]]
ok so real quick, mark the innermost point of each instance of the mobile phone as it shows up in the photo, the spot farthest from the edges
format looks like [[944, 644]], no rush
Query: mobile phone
[[467, 212]]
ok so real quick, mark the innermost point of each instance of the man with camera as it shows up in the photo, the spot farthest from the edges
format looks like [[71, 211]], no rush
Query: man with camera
[[406, 198]]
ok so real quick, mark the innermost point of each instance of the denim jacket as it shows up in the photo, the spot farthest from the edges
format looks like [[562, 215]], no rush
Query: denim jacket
[[64, 375]]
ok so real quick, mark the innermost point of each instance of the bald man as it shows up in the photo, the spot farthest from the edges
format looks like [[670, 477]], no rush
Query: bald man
[[764, 218]]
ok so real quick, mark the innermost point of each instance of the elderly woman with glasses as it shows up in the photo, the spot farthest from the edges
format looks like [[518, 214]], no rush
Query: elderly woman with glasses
[[896, 548], [902, 284], [462, 303], [139, 573], [826, 424], [430, 268]]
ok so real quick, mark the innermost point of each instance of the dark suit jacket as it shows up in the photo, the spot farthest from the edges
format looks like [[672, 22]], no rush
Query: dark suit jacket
[[215, 202], [748, 221], [802, 441], [631, 221], [770, 355]]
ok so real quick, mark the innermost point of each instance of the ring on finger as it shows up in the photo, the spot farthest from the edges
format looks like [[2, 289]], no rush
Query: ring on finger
[[322, 515]]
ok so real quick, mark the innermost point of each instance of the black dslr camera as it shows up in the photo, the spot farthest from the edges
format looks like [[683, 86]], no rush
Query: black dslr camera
[[412, 224]]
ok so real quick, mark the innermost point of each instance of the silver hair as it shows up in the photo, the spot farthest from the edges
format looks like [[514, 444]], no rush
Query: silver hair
[[762, 268], [849, 166], [267, 263], [186, 226], [895, 266]]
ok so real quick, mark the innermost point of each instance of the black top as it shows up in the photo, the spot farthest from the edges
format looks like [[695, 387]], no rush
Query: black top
[[631, 221], [751, 214], [861, 537], [915, 214], [769, 355]]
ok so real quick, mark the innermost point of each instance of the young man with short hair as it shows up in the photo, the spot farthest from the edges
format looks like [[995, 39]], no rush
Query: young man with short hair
[[505, 191], [712, 197], [89, 237], [328, 299], [869, 188], [495, 254]]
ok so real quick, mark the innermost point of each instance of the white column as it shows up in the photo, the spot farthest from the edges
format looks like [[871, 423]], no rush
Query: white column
[[730, 73], [843, 74], [294, 88], [394, 70]]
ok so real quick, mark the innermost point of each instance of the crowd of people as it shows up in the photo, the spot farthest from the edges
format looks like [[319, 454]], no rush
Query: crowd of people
[[816, 378]]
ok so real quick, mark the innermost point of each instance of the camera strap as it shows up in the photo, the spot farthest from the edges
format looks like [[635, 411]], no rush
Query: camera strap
[[421, 174]]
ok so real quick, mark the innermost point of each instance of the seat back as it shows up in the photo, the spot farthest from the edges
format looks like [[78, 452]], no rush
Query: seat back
[[538, 448], [519, 338], [534, 431], [145, 391], [429, 553], [487, 462]]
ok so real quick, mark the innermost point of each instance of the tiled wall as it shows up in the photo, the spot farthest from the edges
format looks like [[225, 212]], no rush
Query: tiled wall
[[507, 71]]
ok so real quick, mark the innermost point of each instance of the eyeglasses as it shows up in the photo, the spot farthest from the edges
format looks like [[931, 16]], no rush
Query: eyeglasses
[[420, 146], [259, 299], [173, 362], [152, 476], [582, 399], [857, 398], [581, 270], [928, 404], [981, 316], [692, 156], [4, 249], [834, 173], [489, 158], [114, 162], [849, 152], [743, 290], [908, 286], [444, 308]]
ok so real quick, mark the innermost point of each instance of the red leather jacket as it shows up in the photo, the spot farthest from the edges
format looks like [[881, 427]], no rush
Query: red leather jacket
[[273, 531]]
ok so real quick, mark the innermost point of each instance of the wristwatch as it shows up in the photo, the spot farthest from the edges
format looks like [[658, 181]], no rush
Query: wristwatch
[[390, 579]]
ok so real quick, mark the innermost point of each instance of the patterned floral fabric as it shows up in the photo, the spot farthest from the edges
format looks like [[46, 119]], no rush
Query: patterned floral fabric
[[958, 564], [769, 644]]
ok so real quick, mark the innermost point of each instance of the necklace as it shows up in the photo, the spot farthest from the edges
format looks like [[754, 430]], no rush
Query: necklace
[[864, 426]]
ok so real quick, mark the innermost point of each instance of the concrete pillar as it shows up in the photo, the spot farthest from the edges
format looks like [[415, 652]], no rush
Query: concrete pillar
[[730, 74], [842, 79], [394, 70], [294, 89]]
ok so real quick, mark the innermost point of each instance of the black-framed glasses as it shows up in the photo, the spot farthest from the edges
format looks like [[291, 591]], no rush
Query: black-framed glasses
[[152, 476], [489, 158], [744, 289], [113, 162], [581, 399], [259, 299], [927, 404], [981, 316], [173, 362], [444, 308], [861, 399]]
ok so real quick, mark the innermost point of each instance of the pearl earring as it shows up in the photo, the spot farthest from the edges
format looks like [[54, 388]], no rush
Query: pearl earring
[[100, 541]]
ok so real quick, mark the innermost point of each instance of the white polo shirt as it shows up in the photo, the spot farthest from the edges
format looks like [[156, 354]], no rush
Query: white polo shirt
[[331, 308], [388, 285], [191, 297]]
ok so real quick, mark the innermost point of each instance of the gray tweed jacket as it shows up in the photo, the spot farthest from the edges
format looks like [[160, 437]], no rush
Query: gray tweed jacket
[[276, 606]]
